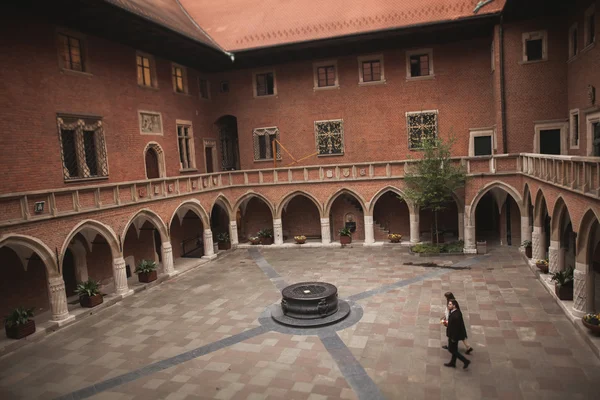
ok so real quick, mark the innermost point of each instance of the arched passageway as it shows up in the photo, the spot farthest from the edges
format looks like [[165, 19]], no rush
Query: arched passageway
[[498, 218], [255, 215], [219, 221], [562, 251], [541, 228], [347, 211], [390, 215], [187, 234], [228, 139], [142, 242], [447, 221], [586, 285], [301, 216]]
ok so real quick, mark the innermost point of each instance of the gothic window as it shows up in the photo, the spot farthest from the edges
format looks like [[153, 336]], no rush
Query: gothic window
[[421, 126], [82, 147], [146, 70], [263, 139], [330, 137], [179, 75], [590, 26], [71, 52], [185, 142]]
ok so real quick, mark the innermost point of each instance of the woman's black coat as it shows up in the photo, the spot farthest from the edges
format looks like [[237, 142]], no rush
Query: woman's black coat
[[456, 329]]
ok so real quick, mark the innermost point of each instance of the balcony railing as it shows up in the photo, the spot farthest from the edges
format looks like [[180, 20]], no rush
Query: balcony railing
[[575, 173]]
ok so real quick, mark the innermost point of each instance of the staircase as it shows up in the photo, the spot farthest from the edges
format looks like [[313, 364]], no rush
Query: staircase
[[380, 229]]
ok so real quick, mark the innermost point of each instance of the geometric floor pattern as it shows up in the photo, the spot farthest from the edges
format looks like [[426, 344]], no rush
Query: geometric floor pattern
[[199, 336]]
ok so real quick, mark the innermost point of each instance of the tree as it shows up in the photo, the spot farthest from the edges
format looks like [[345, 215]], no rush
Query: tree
[[432, 179]]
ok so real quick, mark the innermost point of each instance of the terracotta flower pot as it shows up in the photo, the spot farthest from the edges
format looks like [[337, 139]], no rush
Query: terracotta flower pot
[[147, 277], [394, 240], [90, 301], [594, 328], [266, 240], [564, 292], [225, 245], [528, 251], [21, 330], [542, 267], [255, 242], [300, 241], [345, 239]]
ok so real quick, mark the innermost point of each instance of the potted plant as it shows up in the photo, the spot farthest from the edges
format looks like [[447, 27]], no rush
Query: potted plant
[[146, 271], [89, 293], [254, 240], [300, 239], [527, 245], [542, 265], [224, 241], [19, 323], [345, 236], [564, 284], [592, 322], [395, 237], [266, 236]]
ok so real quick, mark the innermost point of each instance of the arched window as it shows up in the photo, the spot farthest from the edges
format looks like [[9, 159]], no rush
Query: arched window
[[154, 160]]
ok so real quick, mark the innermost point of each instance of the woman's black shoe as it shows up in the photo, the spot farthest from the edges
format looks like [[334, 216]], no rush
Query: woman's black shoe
[[469, 350]]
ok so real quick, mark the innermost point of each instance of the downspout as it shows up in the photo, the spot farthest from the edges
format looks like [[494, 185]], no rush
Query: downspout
[[502, 90]]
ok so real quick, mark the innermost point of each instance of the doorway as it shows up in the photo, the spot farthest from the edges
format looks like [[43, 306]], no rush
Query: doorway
[[228, 138]]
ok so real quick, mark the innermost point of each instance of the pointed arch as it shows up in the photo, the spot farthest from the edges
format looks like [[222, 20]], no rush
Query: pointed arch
[[590, 218], [340, 192], [383, 191], [34, 245], [560, 210], [248, 195], [193, 205], [288, 197], [148, 215], [539, 207], [96, 227], [223, 202], [160, 155], [495, 184]]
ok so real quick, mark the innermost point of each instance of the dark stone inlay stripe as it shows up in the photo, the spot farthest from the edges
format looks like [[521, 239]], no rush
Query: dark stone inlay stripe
[[267, 269], [163, 364], [355, 374]]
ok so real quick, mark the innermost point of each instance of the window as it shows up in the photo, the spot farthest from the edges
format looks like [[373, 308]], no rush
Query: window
[[481, 142], [263, 139], [264, 84], [573, 45], [419, 63], [179, 76], [204, 87], [185, 143], [421, 126], [590, 26], [330, 137], [146, 70], [593, 134], [574, 129], [535, 46], [370, 70], [71, 53], [82, 147], [224, 87], [551, 137], [154, 160], [325, 75]]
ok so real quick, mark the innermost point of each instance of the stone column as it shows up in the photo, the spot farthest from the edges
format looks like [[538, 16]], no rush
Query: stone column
[[369, 233], [167, 258], [470, 247], [525, 229], [325, 233], [415, 236], [58, 300], [233, 233], [120, 276], [580, 290], [277, 231], [536, 251], [461, 226], [209, 249], [553, 264]]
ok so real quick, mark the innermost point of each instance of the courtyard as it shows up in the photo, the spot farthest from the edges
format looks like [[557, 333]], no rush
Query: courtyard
[[205, 335]]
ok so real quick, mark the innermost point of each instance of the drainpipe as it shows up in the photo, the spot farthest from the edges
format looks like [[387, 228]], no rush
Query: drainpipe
[[502, 90]]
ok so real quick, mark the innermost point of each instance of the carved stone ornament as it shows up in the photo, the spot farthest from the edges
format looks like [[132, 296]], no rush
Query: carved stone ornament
[[363, 171], [346, 172], [329, 173], [591, 94], [214, 180], [194, 184], [205, 182], [170, 187], [156, 189], [142, 192], [150, 123]]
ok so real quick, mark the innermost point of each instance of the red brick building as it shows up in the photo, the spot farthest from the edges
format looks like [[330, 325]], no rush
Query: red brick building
[[140, 130]]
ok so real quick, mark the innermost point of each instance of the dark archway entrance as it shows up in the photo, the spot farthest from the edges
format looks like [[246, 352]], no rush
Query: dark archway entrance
[[228, 139], [152, 169], [498, 218]]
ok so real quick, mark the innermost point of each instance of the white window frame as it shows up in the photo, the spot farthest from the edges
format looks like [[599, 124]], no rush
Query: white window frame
[[479, 132], [589, 120], [320, 64], [184, 78], [586, 27], [208, 96], [572, 114], [190, 142], [410, 53], [573, 54], [256, 133], [371, 57], [550, 125], [264, 71], [212, 145], [533, 36], [153, 78]]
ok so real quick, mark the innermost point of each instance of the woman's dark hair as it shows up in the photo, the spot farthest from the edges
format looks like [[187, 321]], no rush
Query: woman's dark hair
[[449, 296], [455, 303]]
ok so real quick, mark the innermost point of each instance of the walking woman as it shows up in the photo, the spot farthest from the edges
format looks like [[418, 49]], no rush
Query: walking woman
[[449, 296], [456, 332]]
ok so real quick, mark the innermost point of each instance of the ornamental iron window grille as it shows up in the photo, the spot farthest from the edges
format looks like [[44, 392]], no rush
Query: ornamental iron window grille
[[421, 126], [186, 147], [83, 150], [144, 71], [71, 52], [265, 84], [371, 71], [263, 139], [326, 76], [178, 79], [330, 137], [419, 65]]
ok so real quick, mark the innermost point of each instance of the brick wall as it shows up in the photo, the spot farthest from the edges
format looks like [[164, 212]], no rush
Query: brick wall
[[391, 213], [100, 262], [340, 208], [301, 217], [256, 217], [447, 221], [190, 227], [141, 248]]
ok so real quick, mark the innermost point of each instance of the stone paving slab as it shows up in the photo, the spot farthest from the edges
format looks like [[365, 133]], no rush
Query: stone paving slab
[[525, 347]]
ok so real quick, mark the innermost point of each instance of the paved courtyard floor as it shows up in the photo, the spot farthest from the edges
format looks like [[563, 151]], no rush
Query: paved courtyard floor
[[201, 335]]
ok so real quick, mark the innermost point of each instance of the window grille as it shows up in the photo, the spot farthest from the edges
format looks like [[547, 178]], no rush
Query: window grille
[[330, 137], [184, 139], [265, 84], [83, 150], [326, 76], [71, 53], [263, 139], [144, 71], [421, 126], [371, 71]]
